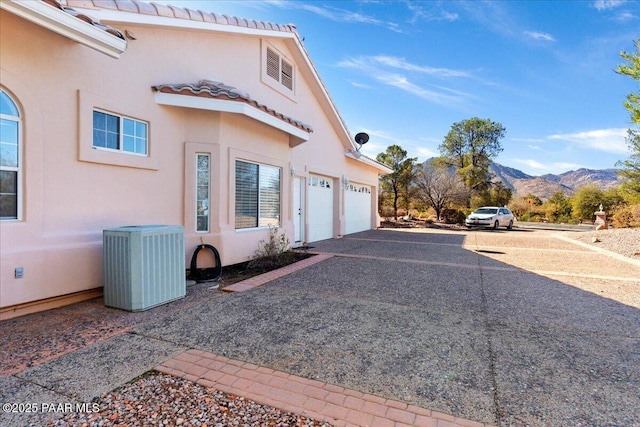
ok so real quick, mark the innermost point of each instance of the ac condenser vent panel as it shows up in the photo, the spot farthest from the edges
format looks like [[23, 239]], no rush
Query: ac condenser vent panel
[[143, 266]]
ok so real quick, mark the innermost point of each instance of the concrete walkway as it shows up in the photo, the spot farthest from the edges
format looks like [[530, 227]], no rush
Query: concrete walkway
[[445, 328]]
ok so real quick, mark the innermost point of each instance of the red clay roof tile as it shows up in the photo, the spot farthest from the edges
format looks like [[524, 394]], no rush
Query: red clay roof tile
[[146, 8], [218, 90], [81, 16], [127, 5], [194, 15], [170, 11]]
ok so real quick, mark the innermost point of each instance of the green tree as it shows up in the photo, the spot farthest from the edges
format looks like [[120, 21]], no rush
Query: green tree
[[632, 69], [398, 182], [470, 146], [557, 208], [586, 201], [630, 168], [498, 195], [525, 207]]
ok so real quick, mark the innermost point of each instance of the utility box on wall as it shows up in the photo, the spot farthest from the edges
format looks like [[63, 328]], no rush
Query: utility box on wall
[[143, 266]]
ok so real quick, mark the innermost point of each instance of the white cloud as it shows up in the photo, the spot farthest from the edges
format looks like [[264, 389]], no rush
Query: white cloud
[[625, 16], [379, 141], [540, 36], [384, 69], [607, 140], [425, 153], [536, 167], [607, 4], [401, 63], [433, 12], [360, 85]]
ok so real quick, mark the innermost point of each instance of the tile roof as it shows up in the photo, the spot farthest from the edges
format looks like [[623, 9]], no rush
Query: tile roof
[[218, 90], [69, 10], [170, 11]]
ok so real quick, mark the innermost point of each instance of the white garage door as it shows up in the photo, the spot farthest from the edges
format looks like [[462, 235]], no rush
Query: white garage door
[[320, 208], [357, 208]]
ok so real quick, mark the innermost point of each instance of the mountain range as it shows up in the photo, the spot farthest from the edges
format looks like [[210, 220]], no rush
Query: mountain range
[[545, 185]]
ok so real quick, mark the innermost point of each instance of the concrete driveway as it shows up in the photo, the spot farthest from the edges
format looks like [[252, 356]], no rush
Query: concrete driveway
[[504, 328], [510, 328]]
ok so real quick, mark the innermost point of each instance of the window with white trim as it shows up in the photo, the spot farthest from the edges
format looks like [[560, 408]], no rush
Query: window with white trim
[[203, 190], [121, 133], [257, 195], [279, 69], [10, 161]]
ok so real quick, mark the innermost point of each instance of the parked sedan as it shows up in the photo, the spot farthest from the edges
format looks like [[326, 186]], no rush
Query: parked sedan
[[490, 216]]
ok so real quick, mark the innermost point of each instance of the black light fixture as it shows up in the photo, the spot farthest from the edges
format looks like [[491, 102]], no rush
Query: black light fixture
[[361, 139]]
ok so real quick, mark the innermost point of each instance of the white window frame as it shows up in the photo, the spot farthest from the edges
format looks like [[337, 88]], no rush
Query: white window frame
[[18, 168], [198, 200], [259, 201], [121, 133]]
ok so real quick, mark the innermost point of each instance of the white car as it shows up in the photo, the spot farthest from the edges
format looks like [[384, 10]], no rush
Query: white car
[[490, 216]]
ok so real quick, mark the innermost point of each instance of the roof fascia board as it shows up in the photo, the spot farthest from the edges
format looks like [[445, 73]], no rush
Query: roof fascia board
[[352, 154], [297, 136], [325, 92], [110, 15], [66, 25]]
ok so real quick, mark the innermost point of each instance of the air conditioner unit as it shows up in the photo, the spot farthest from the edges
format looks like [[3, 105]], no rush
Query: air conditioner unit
[[143, 266]]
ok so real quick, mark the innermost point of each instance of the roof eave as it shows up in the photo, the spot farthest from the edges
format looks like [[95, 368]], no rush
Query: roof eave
[[66, 25], [296, 136], [126, 17], [356, 155]]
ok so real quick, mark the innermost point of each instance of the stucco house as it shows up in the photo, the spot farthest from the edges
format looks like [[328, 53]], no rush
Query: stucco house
[[119, 113]]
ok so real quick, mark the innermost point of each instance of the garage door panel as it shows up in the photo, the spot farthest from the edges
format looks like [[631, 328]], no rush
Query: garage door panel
[[357, 200], [320, 208]]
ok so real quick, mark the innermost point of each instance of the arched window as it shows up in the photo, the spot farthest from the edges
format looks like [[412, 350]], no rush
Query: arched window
[[9, 157]]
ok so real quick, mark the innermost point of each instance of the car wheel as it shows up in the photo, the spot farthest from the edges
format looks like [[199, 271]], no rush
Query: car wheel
[[495, 225], [510, 226]]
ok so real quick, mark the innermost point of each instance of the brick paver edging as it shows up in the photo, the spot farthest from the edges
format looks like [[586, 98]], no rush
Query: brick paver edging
[[261, 279], [315, 399]]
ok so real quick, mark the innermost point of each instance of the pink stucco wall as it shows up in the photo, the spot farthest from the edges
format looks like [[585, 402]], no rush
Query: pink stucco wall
[[71, 192]]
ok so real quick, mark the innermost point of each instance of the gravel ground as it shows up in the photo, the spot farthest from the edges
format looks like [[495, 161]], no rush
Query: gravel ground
[[624, 241], [163, 400]]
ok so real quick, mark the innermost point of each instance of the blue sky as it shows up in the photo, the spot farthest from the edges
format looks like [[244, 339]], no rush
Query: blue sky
[[405, 71]]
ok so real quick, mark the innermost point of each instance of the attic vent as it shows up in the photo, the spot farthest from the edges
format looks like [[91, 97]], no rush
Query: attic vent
[[287, 75], [273, 64], [277, 68]]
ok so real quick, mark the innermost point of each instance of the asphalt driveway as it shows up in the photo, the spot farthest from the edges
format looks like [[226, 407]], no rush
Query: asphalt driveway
[[440, 320], [505, 328]]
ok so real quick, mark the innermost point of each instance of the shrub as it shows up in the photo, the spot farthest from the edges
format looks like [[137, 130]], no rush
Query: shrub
[[452, 216], [272, 253], [387, 212], [627, 217]]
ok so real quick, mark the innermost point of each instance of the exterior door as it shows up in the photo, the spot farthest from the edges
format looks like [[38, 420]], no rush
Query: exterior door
[[320, 208], [298, 212]]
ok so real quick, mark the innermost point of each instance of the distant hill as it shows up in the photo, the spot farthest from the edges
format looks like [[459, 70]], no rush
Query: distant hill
[[544, 186]]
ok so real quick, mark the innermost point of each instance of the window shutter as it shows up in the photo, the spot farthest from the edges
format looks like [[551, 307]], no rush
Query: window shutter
[[287, 75], [273, 64]]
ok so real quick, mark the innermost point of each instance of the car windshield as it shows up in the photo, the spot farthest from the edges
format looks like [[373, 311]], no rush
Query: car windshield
[[482, 211]]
